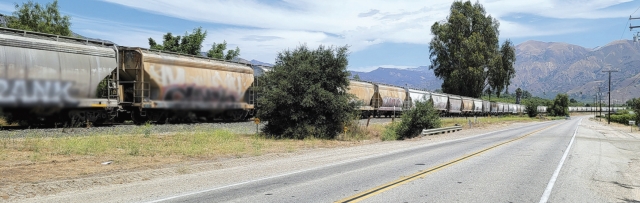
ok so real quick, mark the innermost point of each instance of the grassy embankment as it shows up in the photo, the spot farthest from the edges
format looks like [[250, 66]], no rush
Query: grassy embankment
[[200, 143], [72, 156]]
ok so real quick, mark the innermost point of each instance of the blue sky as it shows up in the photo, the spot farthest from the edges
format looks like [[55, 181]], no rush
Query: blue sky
[[381, 33]]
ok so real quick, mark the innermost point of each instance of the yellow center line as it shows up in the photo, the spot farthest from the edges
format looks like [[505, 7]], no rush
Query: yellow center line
[[377, 190]]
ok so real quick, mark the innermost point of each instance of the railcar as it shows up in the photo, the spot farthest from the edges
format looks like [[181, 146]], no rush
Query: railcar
[[477, 106], [392, 99], [160, 86], [467, 106], [440, 102], [486, 107], [455, 104], [364, 92], [417, 95], [47, 79]]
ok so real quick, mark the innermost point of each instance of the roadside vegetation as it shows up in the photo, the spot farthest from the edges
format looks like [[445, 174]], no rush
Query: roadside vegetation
[[304, 94], [413, 121], [624, 116]]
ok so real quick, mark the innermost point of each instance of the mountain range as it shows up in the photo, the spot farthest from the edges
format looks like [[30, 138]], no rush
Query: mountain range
[[548, 68]]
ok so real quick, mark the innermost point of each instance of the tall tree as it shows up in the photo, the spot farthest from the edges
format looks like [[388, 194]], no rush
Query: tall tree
[[500, 77], [465, 52], [518, 95], [560, 106], [217, 51], [36, 17], [304, 94], [187, 44]]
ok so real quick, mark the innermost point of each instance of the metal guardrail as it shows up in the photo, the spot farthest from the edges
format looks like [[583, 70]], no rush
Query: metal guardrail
[[441, 130]]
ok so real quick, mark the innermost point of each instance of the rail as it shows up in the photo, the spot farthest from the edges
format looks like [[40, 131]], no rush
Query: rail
[[441, 130]]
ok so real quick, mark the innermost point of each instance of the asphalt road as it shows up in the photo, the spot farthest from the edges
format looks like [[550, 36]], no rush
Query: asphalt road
[[513, 165]]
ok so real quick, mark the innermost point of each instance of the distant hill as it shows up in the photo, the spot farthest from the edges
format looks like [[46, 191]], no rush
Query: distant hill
[[548, 68], [419, 78]]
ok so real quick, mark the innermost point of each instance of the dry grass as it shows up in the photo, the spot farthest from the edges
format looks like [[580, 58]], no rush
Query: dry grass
[[36, 158], [485, 121]]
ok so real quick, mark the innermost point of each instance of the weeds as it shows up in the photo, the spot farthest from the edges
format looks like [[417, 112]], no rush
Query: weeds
[[389, 132]]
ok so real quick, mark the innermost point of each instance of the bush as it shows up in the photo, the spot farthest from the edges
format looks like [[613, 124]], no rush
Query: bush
[[532, 108], [622, 118], [303, 94], [423, 116], [389, 132]]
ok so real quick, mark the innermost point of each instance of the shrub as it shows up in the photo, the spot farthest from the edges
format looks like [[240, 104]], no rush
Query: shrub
[[423, 116], [532, 108], [389, 132], [303, 94]]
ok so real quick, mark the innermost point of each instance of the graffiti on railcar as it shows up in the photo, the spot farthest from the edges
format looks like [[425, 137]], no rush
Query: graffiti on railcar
[[198, 93], [391, 102], [36, 92], [197, 85]]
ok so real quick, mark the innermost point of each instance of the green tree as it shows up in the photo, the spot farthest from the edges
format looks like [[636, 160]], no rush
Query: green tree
[[465, 52], [305, 93], [187, 44], [38, 18], [217, 51], [532, 108], [423, 116], [356, 77], [526, 94], [560, 106]]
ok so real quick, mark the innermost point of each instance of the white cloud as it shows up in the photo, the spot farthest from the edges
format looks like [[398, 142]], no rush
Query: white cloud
[[261, 30]]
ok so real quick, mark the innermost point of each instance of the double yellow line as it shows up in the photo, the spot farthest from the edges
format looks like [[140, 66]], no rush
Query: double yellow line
[[377, 190]]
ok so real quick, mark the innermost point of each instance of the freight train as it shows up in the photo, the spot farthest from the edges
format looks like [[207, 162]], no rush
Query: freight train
[[380, 100], [49, 80]]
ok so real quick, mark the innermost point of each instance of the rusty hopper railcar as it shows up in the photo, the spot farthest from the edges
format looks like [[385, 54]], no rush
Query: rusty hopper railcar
[[364, 92], [157, 86], [467, 105], [392, 98], [48, 79]]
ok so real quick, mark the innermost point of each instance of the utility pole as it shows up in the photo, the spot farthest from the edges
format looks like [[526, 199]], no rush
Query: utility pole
[[599, 104], [636, 36], [609, 109]]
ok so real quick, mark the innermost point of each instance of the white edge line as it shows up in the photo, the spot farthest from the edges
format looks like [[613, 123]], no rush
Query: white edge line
[[326, 166], [554, 177]]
